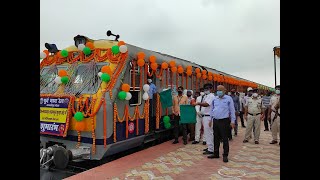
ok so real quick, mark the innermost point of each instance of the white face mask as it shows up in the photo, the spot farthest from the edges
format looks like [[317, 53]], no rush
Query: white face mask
[[255, 94], [201, 93], [277, 91], [207, 92]]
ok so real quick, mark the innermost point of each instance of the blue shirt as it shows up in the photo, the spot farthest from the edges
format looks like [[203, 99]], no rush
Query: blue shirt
[[152, 90], [223, 108]]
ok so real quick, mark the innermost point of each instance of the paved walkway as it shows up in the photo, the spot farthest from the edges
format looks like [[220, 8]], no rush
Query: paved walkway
[[174, 162]]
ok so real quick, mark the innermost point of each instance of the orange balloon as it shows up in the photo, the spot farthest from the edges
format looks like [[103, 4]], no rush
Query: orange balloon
[[90, 45], [210, 78], [154, 66], [80, 126], [189, 67], [197, 70], [152, 59], [125, 87], [106, 69], [121, 43], [141, 55], [198, 75], [180, 70], [174, 69], [204, 72], [164, 65], [210, 74], [172, 63], [140, 62], [204, 76], [62, 73], [46, 52], [189, 72]]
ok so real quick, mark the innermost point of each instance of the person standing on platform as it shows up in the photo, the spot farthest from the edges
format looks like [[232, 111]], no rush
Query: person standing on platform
[[222, 109], [191, 126], [266, 102], [177, 101], [254, 114], [275, 118], [205, 107], [241, 110], [151, 92], [199, 120], [236, 102]]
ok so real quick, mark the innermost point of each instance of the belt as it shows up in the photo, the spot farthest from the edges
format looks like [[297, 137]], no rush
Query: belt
[[205, 115], [222, 119], [254, 115]]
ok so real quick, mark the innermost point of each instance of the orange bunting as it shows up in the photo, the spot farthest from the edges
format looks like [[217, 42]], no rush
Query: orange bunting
[[141, 55], [198, 75], [210, 74], [174, 69], [189, 68], [164, 65], [204, 76], [204, 72], [189, 72], [154, 66], [172, 64], [197, 70], [180, 70], [210, 78]]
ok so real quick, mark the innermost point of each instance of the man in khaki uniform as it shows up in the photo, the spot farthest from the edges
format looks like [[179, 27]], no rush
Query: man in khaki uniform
[[275, 116], [254, 115]]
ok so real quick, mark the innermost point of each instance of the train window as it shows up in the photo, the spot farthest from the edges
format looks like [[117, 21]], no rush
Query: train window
[[136, 97], [47, 76]]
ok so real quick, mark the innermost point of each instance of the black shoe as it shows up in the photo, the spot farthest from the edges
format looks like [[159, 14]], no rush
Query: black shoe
[[256, 142], [206, 149], [195, 142], [225, 159], [213, 156], [274, 142], [207, 152], [266, 130], [185, 142], [175, 142], [235, 134], [245, 141], [204, 143]]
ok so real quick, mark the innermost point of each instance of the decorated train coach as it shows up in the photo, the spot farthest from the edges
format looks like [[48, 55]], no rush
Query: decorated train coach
[[94, 99]]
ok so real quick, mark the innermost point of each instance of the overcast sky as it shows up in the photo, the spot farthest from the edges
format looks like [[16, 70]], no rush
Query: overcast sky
[[233, 36]]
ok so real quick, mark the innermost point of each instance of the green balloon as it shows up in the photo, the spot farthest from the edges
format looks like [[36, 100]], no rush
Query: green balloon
[[105, 77], [122, 95], [64, 53], [78, 116], [167, 126], [65, 79], [86, 51], [166, 119], [115, 49]]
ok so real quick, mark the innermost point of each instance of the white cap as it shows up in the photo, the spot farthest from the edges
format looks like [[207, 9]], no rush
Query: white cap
[[149, 80], [249, 89]]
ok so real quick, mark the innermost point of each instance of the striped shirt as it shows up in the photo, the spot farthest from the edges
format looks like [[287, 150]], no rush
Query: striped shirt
[[266, 101]]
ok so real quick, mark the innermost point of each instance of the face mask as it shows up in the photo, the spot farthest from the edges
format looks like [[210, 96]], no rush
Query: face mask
[[179, 92], [277, 91], [255, 94], [207, 92], [201, 93], [220, 93]]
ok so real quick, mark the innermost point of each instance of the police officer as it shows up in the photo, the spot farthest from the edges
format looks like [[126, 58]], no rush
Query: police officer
[[199, 120], [254, 114], [222, 109], [205, 108], [275, 119]]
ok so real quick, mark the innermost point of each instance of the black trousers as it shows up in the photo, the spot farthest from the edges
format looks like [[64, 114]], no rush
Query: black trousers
[[177, 129], [152, 120], [241, 117], [266, 125], [221, 129], [230, 130]]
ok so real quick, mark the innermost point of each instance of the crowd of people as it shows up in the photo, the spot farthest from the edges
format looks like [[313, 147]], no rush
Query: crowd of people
[[217, 114]]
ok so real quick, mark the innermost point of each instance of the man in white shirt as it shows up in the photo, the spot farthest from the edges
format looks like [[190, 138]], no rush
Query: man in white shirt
[[274, 116], [199, 120], [205, 109]]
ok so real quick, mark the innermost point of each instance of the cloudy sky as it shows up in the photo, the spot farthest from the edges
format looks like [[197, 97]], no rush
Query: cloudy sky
[[233, 36]]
